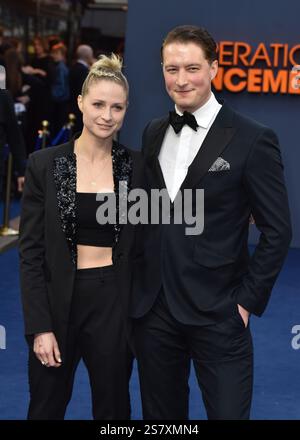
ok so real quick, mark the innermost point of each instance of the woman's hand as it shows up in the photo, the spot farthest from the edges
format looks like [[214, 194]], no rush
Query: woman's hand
[[46, 349]]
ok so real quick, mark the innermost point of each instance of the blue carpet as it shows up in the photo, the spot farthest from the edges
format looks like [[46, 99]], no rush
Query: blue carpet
[[13, 212], [277, 380]]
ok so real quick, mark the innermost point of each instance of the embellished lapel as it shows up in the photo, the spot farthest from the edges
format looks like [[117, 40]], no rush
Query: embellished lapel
[[65, 173], [122, 174], [216, 140]]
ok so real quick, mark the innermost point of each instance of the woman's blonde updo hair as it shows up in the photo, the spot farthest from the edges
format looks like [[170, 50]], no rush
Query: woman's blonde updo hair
[[109, 68]]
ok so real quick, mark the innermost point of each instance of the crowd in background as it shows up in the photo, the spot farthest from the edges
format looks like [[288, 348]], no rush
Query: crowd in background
[[42, 83]]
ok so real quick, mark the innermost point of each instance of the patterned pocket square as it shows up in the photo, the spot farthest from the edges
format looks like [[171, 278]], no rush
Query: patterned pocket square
[[220, 165]]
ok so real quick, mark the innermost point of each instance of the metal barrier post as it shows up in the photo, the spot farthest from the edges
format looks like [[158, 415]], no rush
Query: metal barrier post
[[45, 133], [5, 230]]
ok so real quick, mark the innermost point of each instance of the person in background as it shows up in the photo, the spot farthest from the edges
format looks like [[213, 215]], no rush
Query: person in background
[[10, 134], [26, 89], [60, 90], [38, 74], [53, 40], [2, 46], [78, 74], [13, 60]]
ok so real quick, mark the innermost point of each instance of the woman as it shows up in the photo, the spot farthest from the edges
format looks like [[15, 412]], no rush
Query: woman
[[75, 272]]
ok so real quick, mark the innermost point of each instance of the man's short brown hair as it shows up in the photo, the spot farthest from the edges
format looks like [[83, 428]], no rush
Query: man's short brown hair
[[193, 34]]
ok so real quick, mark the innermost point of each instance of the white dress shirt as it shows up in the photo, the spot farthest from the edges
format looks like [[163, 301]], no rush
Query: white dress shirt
[[179, 150]]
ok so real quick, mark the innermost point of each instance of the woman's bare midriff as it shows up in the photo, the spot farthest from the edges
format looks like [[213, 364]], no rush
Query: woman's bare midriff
[[93, 256]]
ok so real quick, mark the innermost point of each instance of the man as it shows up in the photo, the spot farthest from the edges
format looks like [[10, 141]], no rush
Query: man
[[193, 294], [78, 72]]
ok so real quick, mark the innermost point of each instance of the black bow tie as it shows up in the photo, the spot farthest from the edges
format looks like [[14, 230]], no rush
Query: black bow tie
[[178, 121]]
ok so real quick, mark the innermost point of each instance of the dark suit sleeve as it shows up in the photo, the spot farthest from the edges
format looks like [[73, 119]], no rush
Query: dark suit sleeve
[[144, 139], [264, 182], [14, 136], [32, 249]]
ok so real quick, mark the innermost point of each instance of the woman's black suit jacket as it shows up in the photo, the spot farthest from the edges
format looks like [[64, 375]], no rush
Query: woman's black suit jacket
[[47, 245]]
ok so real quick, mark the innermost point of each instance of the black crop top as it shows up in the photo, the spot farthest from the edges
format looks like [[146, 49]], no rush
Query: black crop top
[[89, 231]]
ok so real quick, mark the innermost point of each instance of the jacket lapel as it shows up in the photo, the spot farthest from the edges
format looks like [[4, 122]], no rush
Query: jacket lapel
[[218, 137], [216, 140], [65, 172]]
